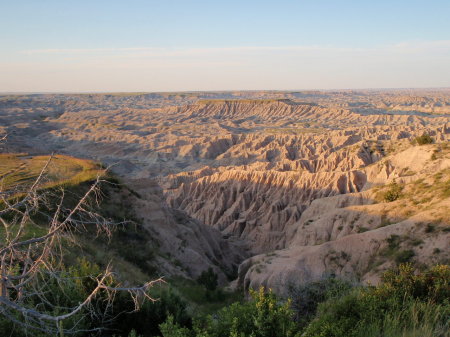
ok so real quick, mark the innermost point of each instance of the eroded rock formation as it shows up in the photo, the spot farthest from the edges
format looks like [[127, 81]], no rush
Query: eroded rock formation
[[291, 181]]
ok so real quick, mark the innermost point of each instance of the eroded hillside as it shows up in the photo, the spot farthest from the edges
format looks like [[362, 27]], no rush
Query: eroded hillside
[[287, 186]]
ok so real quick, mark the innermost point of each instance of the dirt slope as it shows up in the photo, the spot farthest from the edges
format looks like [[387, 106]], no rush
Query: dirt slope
[[292, 179]]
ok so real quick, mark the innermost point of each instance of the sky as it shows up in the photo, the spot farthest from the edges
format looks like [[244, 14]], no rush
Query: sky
[[137, 45]]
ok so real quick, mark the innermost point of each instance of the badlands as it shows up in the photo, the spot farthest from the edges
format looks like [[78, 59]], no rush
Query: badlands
[[265, 187]]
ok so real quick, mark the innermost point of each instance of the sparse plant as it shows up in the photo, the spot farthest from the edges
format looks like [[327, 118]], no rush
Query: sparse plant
[[384, 221], [393, 193], [424, 139], [416, 242], [404, 256], [430, 228]]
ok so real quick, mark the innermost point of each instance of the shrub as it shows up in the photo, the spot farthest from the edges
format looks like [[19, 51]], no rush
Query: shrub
[[306, 298], [263, 316], [337, 317], [146, 321], [208, 279], [404, 256], [68, 290], [404, 304], [431, 285], [424, 139], [430, 228], [393, 193], [171, 329]]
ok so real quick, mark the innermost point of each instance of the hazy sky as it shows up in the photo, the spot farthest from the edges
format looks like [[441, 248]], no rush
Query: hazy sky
[[220, 45]]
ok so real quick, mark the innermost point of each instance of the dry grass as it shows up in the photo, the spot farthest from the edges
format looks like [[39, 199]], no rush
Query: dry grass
[[426, 196]]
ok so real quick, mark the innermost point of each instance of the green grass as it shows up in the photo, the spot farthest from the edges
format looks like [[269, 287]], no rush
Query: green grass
[[19, 171], [131, 248], [416, 319], [200, 302], [31, 231]]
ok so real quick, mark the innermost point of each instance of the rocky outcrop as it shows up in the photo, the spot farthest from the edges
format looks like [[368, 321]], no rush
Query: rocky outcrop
[[187, 247], [292, 177], [356, 236]]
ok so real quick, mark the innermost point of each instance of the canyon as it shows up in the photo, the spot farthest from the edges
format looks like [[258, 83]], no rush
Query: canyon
[[265, 187]]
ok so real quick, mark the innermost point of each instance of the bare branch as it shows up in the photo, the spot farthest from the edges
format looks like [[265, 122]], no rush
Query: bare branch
[[29, 266]]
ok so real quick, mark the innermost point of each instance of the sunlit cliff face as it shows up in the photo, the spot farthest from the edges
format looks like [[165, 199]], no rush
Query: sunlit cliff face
[[294, 179]]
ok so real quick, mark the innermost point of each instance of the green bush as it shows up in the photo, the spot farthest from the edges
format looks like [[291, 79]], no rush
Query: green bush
[[171, 329], [424, 139], [264, 316], [306, 298], [71, 287], [208, 279], [146, 321], [431, 285], [404, 304], [393, 193], [338, 317], [404, 256], [118, 318]]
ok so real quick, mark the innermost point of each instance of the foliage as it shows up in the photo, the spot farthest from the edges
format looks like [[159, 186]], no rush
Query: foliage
[[208, 278], [431, 285], [404, 304], [404, 256], [39, 219], [145, 322], [202, 302], [171, 329], [305, 298], [71, 287], [424, 139], [76, 282], [263, 316], [393, 193]]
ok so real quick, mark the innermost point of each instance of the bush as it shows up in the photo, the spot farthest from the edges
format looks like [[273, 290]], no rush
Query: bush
[[431, 285], [393, 193], [424, 139], [264, 316], [208, 279], [338, 317], [71, 287], [171, 329], [404, 256], [306, 298], [404, 304], [146, 321]]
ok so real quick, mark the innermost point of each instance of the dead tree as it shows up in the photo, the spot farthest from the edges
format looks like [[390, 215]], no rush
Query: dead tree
[[29, 264]]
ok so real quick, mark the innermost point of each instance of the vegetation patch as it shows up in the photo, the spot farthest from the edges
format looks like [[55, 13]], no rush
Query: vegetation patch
[[393, 193], [406, 303], [18, 171], [404, 256], [424, 139]]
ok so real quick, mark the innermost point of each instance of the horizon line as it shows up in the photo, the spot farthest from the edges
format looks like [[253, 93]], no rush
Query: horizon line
[[213, 91]]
